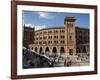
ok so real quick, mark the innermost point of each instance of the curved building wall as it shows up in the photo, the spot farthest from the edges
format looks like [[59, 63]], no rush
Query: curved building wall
[[50, 41], [66, 40]]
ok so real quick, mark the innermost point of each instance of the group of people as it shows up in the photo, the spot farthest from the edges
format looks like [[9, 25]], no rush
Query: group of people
[[67, 62]]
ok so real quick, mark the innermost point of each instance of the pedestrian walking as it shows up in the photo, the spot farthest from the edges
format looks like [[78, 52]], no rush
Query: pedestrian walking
[[65, 62]]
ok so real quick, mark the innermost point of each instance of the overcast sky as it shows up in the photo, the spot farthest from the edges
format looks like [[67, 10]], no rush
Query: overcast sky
[[52, 19]]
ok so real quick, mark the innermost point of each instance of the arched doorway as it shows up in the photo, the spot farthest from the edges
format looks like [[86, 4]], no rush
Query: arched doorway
[[84, 49], [41, 50], [78, 50], [70, 51], [36, 49], [47, 50], [54, 50], [32, 48], [62, 50]]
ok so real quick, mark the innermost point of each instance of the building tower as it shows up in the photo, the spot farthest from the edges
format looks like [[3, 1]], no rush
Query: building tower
[[28, 36], [70, 40]]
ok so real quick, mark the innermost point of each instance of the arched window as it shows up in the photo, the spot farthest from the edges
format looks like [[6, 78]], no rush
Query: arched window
[[70, 37]]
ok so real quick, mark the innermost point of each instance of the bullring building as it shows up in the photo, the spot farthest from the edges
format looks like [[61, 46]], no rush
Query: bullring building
[[68, 39]]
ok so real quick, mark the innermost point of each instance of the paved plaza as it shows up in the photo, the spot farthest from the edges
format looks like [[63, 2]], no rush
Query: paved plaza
[[32, 59], [73, 61]]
